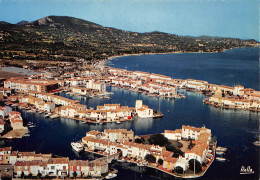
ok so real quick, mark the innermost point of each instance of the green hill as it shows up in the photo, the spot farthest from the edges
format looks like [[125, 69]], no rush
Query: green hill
[[72, 37]]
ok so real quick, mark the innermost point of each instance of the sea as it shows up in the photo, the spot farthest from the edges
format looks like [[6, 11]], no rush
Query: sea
[[235, 129]]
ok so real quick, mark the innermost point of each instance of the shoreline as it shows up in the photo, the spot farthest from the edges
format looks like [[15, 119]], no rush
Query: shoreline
[[101, 63]]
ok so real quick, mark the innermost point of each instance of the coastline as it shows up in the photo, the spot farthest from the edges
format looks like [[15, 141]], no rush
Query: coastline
[[101, 63]]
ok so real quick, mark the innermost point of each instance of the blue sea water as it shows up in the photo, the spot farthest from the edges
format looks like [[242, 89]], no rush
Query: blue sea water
[[236, 130]]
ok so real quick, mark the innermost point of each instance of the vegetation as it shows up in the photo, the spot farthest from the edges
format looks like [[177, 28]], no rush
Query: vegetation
[[138, 140], [178, 170], [161, 140], [158, 139], [160, 161], [150, 158], [67, 39]]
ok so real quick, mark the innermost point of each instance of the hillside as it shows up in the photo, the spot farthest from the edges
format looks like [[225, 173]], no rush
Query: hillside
[[64, 38]]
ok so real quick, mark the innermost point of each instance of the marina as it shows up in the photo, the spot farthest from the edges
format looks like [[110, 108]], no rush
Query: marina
[[223, 122]]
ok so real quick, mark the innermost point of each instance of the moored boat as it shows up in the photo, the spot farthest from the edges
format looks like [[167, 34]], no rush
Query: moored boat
[[221, 159], [77, 146], [219, 152], [111, 175], [121, 160], [223, 149], [54, 116], [256, 143]]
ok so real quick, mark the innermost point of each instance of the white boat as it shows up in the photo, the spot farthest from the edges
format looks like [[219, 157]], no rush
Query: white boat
[[220, 159], [9, 137], [111, 175], [219, 152], [118, 122], [27, 135], [32, 126], [46, 115], [54, 116], [121, 160], [221, 149], [77, 146], [256, 143]]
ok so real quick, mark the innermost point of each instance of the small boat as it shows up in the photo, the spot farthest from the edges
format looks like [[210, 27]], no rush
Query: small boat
[[221, 149], [111, 175], [220, 159], [9, 137], [77, 146], [219, 152], [118, 122], [114, 171], [32, 126], [26, 135], [140, 164], [121, 160], [256, 143], [46, 115], [54, 116]]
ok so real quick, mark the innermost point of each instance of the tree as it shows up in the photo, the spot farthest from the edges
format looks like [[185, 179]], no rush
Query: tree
[[195, 163], [160, 161], [178, 170], [150, 158], [74, 174], [39, 175], [22, 175], [138, 140], [158, 139]]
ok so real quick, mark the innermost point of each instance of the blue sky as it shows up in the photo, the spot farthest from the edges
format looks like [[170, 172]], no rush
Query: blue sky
[[226, 18]]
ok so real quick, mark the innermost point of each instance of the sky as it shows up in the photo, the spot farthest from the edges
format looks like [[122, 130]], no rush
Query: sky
[[225, 18]]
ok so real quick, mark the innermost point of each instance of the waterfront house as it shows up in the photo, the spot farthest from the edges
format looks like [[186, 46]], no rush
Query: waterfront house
[[16, 120], [190, 132], [58, 166], [75, 168], [118, 135], [173, 135], [169, 163], [94, 134], [5, 154], [13, 157], [143, 111]]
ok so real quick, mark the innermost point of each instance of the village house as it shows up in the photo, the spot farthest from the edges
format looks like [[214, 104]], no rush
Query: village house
[[173, 135], [27, 85], [16, 120], [5, 154], [143, 111]]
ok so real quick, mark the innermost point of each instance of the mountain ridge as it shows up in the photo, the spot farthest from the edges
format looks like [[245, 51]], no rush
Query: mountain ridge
[[70, 36]]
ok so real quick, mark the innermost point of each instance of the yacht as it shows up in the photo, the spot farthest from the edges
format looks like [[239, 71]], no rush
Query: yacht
[[111, 175], [220, 159], [219, 152], [121, 160], [77, 146], [257, 143], [223, 149], [54, 116]]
